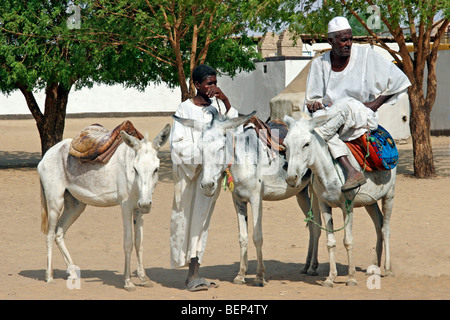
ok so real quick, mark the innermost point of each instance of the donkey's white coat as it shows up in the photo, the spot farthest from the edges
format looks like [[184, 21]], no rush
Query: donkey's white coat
[[256, 177], [128, 180], [308, 151]]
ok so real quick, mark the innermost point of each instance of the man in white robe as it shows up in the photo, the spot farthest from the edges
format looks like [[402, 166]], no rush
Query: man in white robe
[[192, 210], [350, 83]]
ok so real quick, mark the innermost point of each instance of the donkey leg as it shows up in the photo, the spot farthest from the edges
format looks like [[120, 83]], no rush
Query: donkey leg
[[52, 220], [127, 215], [377, 218], [138, 241], [312, 262], [387, 205], [348, 244], [331, 245], [55, 204], [72, 210], [241, 210], [257, 214]]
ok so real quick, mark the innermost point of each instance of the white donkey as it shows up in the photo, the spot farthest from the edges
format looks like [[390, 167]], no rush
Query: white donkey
[[308, 151], [128, 180], [256, 177]]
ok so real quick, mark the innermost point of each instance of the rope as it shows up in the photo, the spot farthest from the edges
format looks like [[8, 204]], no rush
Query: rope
[[228, 178]]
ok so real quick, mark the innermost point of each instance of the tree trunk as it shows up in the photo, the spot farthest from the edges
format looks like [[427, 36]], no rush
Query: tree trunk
[[51, 129], [420, 125], [50, 124]]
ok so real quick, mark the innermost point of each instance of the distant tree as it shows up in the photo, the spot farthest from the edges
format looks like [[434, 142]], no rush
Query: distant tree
[[422, 23], [181, 34]]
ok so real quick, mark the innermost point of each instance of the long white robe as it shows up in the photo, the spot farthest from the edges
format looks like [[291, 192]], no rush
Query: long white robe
[[367, 76], [191, 210]]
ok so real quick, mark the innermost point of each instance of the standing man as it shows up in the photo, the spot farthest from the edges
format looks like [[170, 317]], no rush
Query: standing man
[[350, 83], [192, 209]]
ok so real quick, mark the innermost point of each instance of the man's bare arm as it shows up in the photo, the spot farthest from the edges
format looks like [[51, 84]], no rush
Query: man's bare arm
[[378, 102]]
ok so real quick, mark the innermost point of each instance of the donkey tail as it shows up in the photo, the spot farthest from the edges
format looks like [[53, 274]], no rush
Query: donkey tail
[[44, 211]]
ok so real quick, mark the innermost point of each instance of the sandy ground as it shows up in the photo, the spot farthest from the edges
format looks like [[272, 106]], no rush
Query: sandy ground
[[419, 240]]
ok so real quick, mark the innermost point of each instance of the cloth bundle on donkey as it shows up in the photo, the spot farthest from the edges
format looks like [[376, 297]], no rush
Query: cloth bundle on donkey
[[375, 150], [95, 143], [271, 133]]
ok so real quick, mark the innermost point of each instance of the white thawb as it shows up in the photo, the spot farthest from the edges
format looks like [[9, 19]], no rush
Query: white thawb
[[366, 77], [191, 210]]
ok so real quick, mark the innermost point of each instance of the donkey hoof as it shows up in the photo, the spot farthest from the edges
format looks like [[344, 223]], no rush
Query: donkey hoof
[[389, 274], [129, 286], [328, 284], [259, 283], [312, 272], [239, 280], [145, 282], [351, 282]]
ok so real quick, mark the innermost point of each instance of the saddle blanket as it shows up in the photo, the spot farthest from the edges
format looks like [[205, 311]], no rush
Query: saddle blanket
[[95, 143], [378, 146]]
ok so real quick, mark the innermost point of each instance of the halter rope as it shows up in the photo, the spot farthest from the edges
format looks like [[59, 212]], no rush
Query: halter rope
[[228, 178]]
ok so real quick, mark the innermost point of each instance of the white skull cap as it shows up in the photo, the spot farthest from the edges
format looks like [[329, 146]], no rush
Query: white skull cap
[[338, 24]]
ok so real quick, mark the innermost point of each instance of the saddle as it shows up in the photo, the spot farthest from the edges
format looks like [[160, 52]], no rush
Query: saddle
[[271, 133], [95, 143]]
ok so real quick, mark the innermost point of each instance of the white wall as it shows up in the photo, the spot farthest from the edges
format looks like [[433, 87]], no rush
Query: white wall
[[247, 92], [440, 114], [251, 91], [102, 99]]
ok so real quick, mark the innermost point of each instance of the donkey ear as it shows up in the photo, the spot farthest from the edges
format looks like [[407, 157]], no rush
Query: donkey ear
[[185, 122], [131, 141], [289, 121], [162, 137], [236, 122]]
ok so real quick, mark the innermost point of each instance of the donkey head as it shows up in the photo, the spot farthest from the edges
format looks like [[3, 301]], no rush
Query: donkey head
[[299, 147], [145, 166], [215, 147]]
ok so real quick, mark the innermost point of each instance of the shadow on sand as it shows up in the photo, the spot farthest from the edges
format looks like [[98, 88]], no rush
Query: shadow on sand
[[174, 278]]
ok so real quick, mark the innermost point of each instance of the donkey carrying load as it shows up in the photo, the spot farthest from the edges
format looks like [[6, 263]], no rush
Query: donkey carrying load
[[127, 179]]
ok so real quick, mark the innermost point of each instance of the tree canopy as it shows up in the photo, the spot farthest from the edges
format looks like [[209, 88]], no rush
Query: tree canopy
[[181, 34], [41, 50]]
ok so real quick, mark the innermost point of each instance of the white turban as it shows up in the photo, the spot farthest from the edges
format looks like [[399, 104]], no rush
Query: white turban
[[338, 24]]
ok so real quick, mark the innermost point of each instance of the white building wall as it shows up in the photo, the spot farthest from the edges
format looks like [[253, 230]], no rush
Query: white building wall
[[101, 99], [251, 91]]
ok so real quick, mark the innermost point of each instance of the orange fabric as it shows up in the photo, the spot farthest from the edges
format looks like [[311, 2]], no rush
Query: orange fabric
[[359, 149]]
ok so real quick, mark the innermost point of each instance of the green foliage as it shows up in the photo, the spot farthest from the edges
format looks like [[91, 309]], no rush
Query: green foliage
[[311, 17], [189, 32], [38, 47], [133, 42]]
